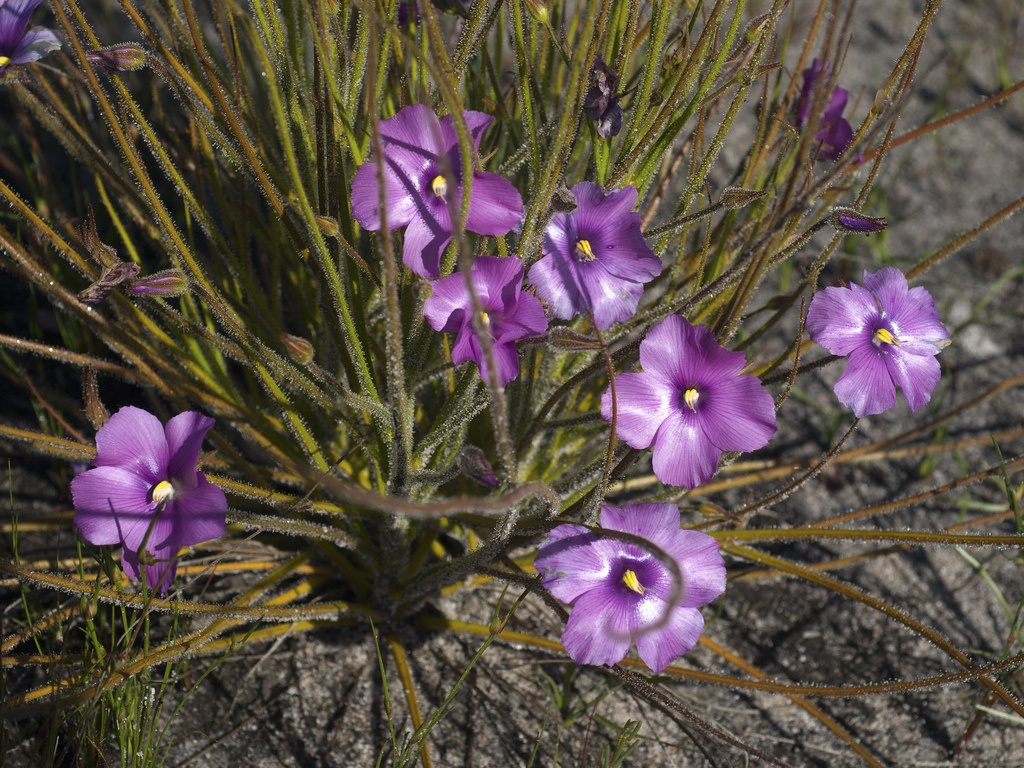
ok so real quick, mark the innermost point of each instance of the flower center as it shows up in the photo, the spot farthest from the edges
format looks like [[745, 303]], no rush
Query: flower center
[[163, 492], [690, 397], [583, 251], [883, 336], [630, 580], [439, 185], [4, 60]]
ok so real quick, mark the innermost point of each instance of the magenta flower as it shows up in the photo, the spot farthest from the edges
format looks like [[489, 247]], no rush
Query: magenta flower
[[890, 333], [834, 133], [595, 258], [18, 43], [621, 592], [420, 154], [509, 313], [691, 402], [145, 492]]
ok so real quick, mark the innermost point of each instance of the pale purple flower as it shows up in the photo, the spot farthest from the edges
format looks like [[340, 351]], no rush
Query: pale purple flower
[[420, 154], [691, 402], [509, 313], [834, 133], [890, 333], [621, 592], [595, 258], [145, 492], [18, 43]]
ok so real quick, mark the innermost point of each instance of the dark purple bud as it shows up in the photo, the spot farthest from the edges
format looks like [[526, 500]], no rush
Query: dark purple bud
[[602, 102], [118, 58], [170, 282], [473, 463], [850, 220], [109, 280]]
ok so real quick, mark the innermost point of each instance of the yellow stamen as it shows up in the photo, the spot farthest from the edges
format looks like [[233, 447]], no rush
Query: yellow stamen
[[882, 336], [485, 320], [439, 185], [163, 491], [690, 397], [584, 251], [4, 61], [630, 580]]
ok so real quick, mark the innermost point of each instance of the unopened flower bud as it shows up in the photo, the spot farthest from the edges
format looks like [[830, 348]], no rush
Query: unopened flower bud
[[473, 463], [853, 221], [538, 10], [118, 58], [170, 282], [328, 225], [299, 350]]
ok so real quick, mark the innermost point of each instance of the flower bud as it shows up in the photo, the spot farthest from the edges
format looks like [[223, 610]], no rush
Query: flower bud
[[853, 221], [328, 226], [170, 282], [538, 10], [473, 463], [299, 350], [118, 58]]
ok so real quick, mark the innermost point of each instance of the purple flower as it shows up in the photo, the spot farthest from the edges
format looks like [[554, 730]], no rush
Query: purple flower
[[691, 402], [508, 313], [621, 592], [19, 44], [595, 258], [891, 334], [145, 492], [602, 102], [420, 154], [834, 133]]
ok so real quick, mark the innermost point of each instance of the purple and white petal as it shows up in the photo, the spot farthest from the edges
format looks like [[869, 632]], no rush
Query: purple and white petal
[[448, 307], [916, 375], [676, 634], [737, 414], [36, 43], [573, 561], [425, 241], [702, 566], [683, 455], [596, 632], [611, 299], [866, 387], [841, 319], [643, 402]]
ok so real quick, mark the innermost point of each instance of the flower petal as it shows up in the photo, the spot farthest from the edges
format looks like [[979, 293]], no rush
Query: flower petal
[[36, 43], [683, 455], [643, 403], [401, 192], [841, 319], [674, 635], [133, 439], [611, 299], [425, 240], [916, 375], [415, 129], [495, 206], [737, 413], [185, 434], [159, 575], [447, 309], [112, 505], [199, 514], [654, 521], [703, 568], [866, 387], [573, 561], [558, 284], [594, 633]]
